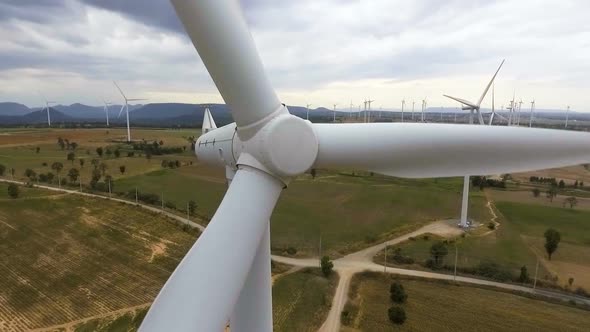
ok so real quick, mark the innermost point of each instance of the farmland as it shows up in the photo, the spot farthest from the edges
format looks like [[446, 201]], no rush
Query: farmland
[[67, 258], [441, 306]]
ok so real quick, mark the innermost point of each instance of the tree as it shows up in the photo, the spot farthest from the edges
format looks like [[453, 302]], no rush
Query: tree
[[81, 161], [397, 315], [109, 152], [572, 201], [12, 171], [30, 173], [50, 176], [95, 163], [438, 251], [570, 281], [524, 274], [581, 184], [552, 238], [561, 184], [103, 167], [397, 292], [73, 174], [313, 173], [117, 153], [192, 207], [71, 157], [327, 266], [37, 149], [61, 143], [536, 192], [2, 169], [122, 169], [576, 184], [99, 151], [74, 145], [57, 167], [552, 193], [13, 190], [161, 142]]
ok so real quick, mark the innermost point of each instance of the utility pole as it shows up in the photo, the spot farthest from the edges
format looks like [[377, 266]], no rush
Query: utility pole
[[109, 187], [162, 201], [536, 271], [456, 255]]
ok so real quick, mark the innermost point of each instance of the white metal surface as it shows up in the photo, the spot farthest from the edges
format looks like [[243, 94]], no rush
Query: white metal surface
[[439, 150], [253, 311], [208, 122], [220, 35], [201, 293]]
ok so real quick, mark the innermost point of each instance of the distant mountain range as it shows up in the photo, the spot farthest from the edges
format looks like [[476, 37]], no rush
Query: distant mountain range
[[178, 114]]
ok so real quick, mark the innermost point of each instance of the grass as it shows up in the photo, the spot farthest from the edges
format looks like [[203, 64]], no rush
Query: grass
[[302, 300], [441, 306], [66, 257]]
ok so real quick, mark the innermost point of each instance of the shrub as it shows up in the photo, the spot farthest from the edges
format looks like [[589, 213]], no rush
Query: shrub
[[13, 190], [397, 292], [397, 315], [291, 251], [326, 265], [491, 226]]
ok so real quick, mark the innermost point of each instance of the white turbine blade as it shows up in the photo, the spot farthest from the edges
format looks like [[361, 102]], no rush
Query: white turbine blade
[[208, 122], [501, 116], [441, 150], [489, 84], [121, 91], [202, 291], [121, 111], [462, 101], [219, 32], [492, 115]]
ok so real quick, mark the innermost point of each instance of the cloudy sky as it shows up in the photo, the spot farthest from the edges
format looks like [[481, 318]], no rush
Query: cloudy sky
[[319, 51]]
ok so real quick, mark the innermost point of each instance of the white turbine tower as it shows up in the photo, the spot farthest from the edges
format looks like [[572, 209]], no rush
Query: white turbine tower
[[511, 108], [47, 106], [226, 274], [126, 108], [369, 110], [413, 104], [567, 113], [531, 115], [334, 120], [403, 104], [423, 107], [106, 109], [307, 114], [474, 107]]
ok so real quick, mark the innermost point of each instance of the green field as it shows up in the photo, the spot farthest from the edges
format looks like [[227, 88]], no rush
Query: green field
[[65, 257], [440, 306], [302, 300], [348, 212]]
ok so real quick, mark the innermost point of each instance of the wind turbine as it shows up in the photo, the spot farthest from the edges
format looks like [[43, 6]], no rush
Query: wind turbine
[[531, 115], [267, 147], [423, 107], [474, 107], [126, 108], [567, 112], [47, 103], [106, 109], [334, 120], [493, 114], [403, 104], [369, 110], [519, 108], [208, 122], [511, 108], [307, 108], [413, 104]]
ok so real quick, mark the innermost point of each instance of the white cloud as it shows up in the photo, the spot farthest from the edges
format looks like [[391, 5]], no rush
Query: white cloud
[[321, 52]]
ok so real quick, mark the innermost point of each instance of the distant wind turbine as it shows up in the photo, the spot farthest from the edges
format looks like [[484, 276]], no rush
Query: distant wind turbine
[[403, 104], [47, 103], [307, 107], [423, 107], [474, 107], [413, 104], [531, 115], [369, 110], [106, 109], [567, 112], [126, 108], [334, 120]]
